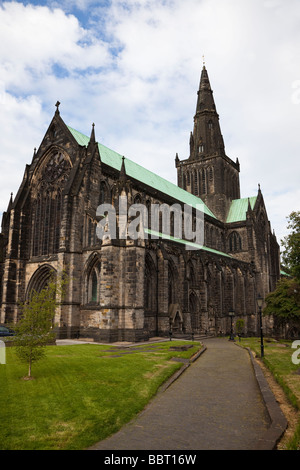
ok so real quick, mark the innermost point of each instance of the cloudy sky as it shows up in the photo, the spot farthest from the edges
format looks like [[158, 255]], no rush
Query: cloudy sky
[[133, 68]]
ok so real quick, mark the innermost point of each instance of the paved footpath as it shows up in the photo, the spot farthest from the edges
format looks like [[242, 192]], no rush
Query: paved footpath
[[214, 405]]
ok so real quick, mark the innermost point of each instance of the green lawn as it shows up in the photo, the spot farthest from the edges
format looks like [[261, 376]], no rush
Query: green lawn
[[278, 359], [80, 394]]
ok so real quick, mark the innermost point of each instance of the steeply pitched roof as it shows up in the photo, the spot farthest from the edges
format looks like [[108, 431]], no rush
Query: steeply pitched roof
[[139, 173], [187, 243], [238, 209]]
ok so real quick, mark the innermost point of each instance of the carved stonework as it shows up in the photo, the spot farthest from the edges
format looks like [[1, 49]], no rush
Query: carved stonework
[[56, 166]]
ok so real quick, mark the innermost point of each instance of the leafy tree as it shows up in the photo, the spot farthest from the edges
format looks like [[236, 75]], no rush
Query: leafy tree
[[239, 326], [284, 302], [35, 328], [291, 244]]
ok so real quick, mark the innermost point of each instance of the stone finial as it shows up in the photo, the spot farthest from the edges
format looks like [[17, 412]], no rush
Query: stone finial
[[57, 107], [93, 138]]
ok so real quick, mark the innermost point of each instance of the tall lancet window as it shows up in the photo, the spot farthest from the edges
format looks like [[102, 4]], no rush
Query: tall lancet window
[[94, 296], [196, 183], [47, 206], [57, 223], [92, 282], [203, 181]]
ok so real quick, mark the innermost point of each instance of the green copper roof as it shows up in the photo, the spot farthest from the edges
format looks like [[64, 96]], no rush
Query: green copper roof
[[187, 243], [139, 173], [238, 209], [283, 273]]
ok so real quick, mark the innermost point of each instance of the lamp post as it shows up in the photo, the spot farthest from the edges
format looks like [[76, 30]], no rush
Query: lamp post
[[231, 315], [260, 301], [170, 329]]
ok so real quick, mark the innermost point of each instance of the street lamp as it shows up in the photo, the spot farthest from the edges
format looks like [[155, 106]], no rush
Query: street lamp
[[231, 314], [260, 301], [170, 329]]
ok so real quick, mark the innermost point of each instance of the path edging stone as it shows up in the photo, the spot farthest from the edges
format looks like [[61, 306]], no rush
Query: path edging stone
[[178, 373], [278, 420]]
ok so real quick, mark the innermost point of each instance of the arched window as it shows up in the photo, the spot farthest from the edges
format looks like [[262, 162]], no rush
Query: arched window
[[89, 231], [137, 199], [235, 242], [191, 274], [172, 276], [148, 207], [57, 223], [203, 181], [210, 174], [36, 220], [150, 285], [46, 221], [92, 291], [13, 272], [196, 183], [94, 286], [47, 206], [194, 311], [104, 193]]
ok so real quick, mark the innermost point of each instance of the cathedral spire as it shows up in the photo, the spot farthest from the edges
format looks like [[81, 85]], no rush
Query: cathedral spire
[[208, 172], [205, 93], [206, 137]]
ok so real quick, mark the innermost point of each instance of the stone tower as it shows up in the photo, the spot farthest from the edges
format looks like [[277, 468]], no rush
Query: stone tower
[[208, 172]]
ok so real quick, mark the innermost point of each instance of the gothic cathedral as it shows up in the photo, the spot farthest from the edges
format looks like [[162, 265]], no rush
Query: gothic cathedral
[[124, 289]]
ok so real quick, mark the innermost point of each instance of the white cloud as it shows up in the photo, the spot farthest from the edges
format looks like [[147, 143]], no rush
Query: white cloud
[[21, 122], [133, 68], [36, 38]]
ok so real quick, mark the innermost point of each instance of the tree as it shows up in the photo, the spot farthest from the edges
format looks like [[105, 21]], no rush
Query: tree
[[35, 328], [291, 244], [239, 326], [284, 302]]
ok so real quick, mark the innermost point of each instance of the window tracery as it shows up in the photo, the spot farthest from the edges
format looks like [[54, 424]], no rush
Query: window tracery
[[47, 204], [235, 242], [92, 282], [55, 167]]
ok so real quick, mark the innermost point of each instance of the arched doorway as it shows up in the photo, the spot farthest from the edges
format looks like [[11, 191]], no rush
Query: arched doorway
[[40, 279], [175, 318]]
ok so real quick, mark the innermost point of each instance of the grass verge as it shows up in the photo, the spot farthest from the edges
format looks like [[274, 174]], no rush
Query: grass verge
[[278, 360], [80, 394]]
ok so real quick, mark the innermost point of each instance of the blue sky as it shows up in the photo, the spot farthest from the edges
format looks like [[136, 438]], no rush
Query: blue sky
[[133, 68]]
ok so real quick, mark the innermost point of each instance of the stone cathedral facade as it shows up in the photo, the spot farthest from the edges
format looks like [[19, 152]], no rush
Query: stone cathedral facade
[[132, 289]]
